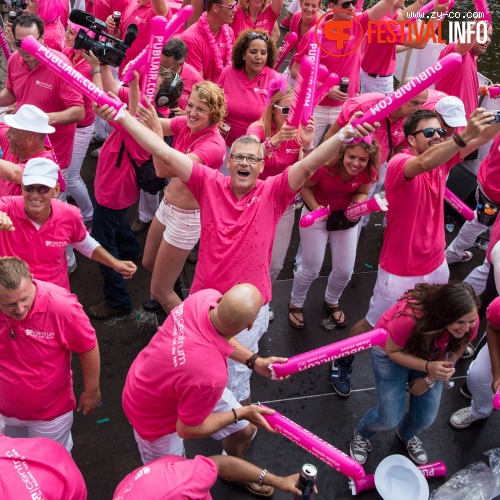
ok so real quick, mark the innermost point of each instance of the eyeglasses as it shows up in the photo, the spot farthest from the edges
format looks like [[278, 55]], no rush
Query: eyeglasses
[[230, 7], [175, 65], [254, 35], [345, 5], [17, 43], [40, 189], [429, 132], [251, 160], [284, 109]]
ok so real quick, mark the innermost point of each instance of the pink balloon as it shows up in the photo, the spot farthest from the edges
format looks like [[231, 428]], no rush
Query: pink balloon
[[496, 400], [314, 217], [331, 80], [300, 93], [409, 90], [314, 55], [458, 204], [376, 204], [5, 46], [315, 445], [329, 352], [288, 44], [322, 74], [493, 91], [482, 6], [430, 5]]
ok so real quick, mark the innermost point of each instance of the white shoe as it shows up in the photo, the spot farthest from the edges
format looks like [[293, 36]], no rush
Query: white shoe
[[461, 419]]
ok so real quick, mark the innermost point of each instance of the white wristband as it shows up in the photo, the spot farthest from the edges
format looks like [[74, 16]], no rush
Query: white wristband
[[343, 138]]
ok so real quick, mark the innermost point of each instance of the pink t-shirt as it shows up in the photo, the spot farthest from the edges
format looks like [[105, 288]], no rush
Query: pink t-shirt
[[200, 55], [331, 190], [493, 313], [207, 144], [296, 26], [434, 96], [37, 468], [38, 384], [181, 374], [190, 77], [246, 100], [462, 82], [237, 236], [44, 250], [364, 102], [346, 66], [400, 327], [489, 172], [286, 155], [169, 478], [104, 8], [265, 21], [53, 35], [414, 240]]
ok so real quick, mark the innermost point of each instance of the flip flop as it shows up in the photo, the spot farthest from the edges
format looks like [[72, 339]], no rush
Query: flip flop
[[292, 310], [249, 489], [334, 309]]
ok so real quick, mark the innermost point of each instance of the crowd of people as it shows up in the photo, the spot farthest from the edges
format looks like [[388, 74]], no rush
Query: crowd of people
[[230, 169]]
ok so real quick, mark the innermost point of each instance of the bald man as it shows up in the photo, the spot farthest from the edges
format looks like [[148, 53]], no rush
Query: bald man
[[176, 387]]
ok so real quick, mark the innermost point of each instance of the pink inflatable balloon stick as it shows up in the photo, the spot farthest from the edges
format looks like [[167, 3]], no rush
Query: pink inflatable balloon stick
[[289, 43], [300, 93], [375, 204], [493, 92], [409, 90], [458, 204], [482, 6], [314, 55], [322, 74], [331, 80], [496, 400], [70, 75], [430, 5], [435, 469], [157, 27], [315, 445], [5, 46], [175, 23], [329, 352], [314, 217]]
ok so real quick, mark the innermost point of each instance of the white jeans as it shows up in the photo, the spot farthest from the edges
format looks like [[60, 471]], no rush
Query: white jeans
[[379, 84], [148, 205], [282, 241], [324, 116], [70, 253], [293, 7], [479, 380], [76, 187], [313, 242], [478, 276], [374, 189]]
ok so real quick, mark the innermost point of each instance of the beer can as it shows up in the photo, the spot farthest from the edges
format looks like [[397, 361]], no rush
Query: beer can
[[307, 478]]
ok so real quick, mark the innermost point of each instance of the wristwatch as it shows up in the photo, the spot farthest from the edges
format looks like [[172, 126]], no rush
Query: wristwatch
[[429, 382], [250, 362]]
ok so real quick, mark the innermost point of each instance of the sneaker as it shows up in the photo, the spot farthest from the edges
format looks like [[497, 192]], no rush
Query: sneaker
[[95, 153], [271, 314], [462, 418], [341, 370], [469, 352], [286, 24], [466, 256], [138, 226], [71, 269], [152, 305], [359, 448], [415, 449], [464, 391], [95, 140], [103, 311]]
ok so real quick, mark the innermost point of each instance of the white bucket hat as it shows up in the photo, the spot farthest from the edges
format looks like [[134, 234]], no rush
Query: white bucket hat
[[30, 118], [397, 478]]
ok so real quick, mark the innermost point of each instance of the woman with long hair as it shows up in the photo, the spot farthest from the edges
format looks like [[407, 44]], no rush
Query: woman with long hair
[[261, 14], [425, 324]]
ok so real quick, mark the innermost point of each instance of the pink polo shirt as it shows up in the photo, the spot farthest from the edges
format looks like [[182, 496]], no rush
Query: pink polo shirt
[[44, 250], [38, 384], [493, 313], [434, 96], [36, 468], [44, 89], [242, 21], [237, 236], [181, 374], [296, 26], [414, 237], [462, 82], [53, 35], [104, 8], [207, 144], [275, 163], [246, 100], [364, 102], [200, 55], [345, 66], [190, 77], [169, 478], [489, 172]]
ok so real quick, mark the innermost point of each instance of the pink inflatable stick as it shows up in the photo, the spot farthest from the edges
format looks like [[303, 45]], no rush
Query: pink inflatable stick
[[435, 469], [315, 445], [458, 204], [300, 93], [376, 204], [5, 46], [70, 75], [409, 90], [314, 217], [429, 6], [328, 352], [175, 23], [322, 73], [496, 400], [493, 92], [314, 55], [331, 80], [157, 27], [288, 45], [482, 6]]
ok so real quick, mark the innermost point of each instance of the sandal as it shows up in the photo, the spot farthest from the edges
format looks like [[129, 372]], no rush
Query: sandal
[[338, 321], [291, 311], [248, 488]]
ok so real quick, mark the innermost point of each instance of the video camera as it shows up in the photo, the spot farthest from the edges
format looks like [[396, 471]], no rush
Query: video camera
[[18, 6], [107, 48]]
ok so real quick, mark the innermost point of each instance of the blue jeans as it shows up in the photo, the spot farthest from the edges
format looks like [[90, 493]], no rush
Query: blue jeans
[[390, 384], [112, 231]]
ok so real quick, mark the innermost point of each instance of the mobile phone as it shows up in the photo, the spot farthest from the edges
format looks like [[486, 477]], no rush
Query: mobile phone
[[496, 119]]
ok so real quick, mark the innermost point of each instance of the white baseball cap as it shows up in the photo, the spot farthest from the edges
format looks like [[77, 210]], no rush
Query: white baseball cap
[[40, 171], [452, 110], [30, 118]]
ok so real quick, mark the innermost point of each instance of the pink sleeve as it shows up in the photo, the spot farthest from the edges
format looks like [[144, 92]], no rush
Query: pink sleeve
[[196, 403], [400, 329], [197, 180], [194, 57], [256, 129], [211, 152], [77, 334], [4, 141], [175, 124], [493, 313]]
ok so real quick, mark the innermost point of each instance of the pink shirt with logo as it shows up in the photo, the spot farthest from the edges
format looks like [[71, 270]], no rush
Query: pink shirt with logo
[[38, 384], [200, 55], [237, 236], [44, 89], [493, 313], [489, 172], [44, 249], [169, 478], [36, 468], [434, 96], [190, 77], [242, 21], [104, 8], [414, 240], [53, 35], [181, 374], [246, 100]]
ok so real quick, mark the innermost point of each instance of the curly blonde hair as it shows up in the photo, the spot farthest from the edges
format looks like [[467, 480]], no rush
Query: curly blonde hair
[[243, 42], [212, 95]]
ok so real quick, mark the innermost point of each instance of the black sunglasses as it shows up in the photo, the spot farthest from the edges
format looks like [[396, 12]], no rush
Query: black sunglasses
[[345, 5], [253, 35], [17, 43], [429, 132], [40, 189]]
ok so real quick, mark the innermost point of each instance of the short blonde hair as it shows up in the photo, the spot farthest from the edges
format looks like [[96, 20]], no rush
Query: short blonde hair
[[12, 272], [213, 96]]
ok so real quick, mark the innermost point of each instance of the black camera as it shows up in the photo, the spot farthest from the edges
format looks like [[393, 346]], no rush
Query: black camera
[[496, 118], [17, 9], [107, 48]]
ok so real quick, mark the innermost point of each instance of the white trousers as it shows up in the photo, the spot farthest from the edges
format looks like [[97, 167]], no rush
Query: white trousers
[[324, 116], [282, 241], [479, 380], [380, 84], [148, 205]]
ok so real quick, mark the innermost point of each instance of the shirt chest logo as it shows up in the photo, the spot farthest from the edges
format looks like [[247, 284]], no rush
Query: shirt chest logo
[[255, 199], [260, 91], [39, 335], [44, 85], [55, 244]]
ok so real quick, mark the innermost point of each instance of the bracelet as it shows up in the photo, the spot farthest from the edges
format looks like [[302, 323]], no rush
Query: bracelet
[[250, 362], [262, 476], [269, 146], [426, 365], [459, 141], [308, 150], [429, 382], [484, 90], [95, 71], [343, 138], [235, 416]]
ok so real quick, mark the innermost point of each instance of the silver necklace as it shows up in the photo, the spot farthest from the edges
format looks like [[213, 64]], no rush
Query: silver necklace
[[12, 332]]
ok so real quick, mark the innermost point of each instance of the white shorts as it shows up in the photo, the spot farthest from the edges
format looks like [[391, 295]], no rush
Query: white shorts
[[172, 444], [389, 288], [182, 227], [58, 430]]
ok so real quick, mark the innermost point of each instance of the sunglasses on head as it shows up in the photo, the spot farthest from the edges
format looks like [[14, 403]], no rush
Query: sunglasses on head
[[284, 109], [254, 35], [40, 189], [230, 7], [429, 132], [345, 5]]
